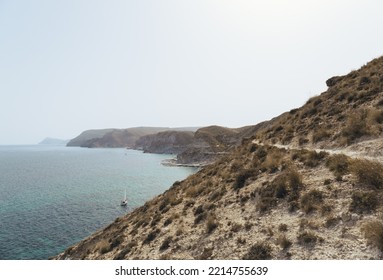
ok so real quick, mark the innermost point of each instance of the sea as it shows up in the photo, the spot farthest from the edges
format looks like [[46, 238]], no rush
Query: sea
[[51, 197]]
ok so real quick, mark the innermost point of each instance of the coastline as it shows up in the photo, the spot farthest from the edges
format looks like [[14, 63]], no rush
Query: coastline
[[173, 163]]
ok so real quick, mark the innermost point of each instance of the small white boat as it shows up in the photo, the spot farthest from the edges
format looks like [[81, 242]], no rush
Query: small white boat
[[124, 202]]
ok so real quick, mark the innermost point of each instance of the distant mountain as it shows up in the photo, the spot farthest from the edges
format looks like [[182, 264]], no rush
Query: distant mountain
[[192, 145], [87, 135], [53, 141], [118, 138]]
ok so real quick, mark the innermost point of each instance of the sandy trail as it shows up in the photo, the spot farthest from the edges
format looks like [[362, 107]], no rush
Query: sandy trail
[[369, 149]]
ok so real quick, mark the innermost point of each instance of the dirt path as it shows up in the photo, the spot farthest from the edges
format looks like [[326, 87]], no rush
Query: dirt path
[[369, 149]]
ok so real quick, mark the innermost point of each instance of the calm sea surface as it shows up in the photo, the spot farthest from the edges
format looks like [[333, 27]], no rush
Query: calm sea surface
[[53, 196]]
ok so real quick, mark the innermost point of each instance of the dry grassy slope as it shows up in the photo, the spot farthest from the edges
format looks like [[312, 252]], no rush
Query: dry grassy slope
[[261, 202], [350, 110], [264, 202]]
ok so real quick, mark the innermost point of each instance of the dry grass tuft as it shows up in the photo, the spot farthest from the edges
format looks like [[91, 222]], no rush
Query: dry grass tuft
[[373, 231], [311, 201], [368, 173], [364, 202], [356, 127], [338, 164], [283, 241], [103, 246], [307, 238], [259, 251]]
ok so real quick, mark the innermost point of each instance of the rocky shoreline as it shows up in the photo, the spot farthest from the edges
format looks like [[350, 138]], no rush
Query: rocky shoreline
[[173, 163]]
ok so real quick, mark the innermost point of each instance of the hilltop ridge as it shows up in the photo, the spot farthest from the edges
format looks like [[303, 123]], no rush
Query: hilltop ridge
[[275, 195]]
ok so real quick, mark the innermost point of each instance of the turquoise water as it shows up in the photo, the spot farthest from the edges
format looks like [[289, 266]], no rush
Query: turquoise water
[[52, 197]]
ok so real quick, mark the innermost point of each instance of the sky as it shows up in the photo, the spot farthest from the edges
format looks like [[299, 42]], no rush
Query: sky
[[68, 66]]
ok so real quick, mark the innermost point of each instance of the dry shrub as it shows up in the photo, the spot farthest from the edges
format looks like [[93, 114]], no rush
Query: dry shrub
[[320, 134], [121, 255], [179, 231], [311, 201], [369, 173], [217, 194], [273, 161], [309, 158], [364, 202], [116, 241], [104, 246], [283, 241], [332, 221], [376, 116], [211, 223], [259, 251], [302, 141], [313, 158], [338, 164], [194, 190], [307, 238], [236, 227], [286, 185], [282, 227], [241, 178], [166, 243], [356, 127], [373, 231], [206, 254], [151, 236]]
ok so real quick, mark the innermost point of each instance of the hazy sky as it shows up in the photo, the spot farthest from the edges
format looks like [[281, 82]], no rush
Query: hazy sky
[[67, 66]]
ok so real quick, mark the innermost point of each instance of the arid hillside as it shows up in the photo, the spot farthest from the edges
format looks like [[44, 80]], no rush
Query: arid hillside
[[349, 111], [276, 195]]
